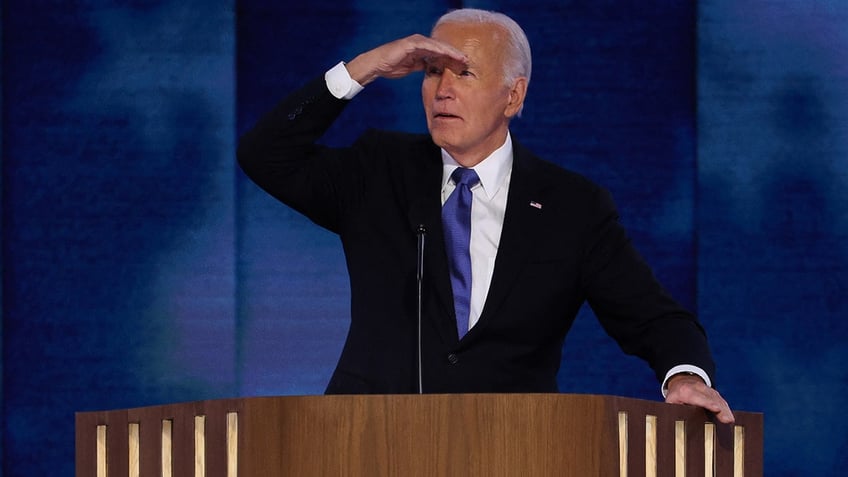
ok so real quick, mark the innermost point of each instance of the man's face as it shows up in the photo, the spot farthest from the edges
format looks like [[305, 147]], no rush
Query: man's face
[[468, 111]]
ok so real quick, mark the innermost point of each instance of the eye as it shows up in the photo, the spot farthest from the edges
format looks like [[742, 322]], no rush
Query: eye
[[466, 73], [433, 71]]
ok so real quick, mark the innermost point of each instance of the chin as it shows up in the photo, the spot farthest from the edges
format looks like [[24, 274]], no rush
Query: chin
[[446, 145], [441, 139]]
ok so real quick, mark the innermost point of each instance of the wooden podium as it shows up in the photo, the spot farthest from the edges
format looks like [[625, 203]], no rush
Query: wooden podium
[[525, 435]]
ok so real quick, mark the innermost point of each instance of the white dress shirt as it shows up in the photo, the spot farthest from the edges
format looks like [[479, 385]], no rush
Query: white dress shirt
[[487, 214]]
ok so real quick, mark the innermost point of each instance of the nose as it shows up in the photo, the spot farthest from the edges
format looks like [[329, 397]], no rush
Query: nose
[[444, 88]]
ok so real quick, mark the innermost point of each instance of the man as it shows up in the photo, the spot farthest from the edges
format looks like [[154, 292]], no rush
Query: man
[[514, 245]]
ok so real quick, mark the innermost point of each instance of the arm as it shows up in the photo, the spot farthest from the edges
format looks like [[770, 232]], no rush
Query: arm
[[280, 153], [645, 321]]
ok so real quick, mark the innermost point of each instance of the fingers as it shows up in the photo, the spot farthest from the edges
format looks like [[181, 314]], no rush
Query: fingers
[[430, 50], [402, 57], [726, 415], [691, 390], [413, 53], [713, 401]]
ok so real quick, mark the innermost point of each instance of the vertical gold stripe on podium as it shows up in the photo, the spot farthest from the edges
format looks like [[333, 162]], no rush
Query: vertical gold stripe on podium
[[101, 451], [738, 451], [232, 444], [679, 448], [199, 446], [622, 443], [650, 446], [709, 449], [134, 449], [167, 448]]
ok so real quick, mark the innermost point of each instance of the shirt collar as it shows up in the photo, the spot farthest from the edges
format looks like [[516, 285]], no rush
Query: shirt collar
[[491, 170]]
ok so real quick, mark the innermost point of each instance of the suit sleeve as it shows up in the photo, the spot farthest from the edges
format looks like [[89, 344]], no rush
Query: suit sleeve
[[281, 155], [631, 304]]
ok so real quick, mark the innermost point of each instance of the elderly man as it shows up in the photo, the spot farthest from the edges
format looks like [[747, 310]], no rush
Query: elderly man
[[514, 245]]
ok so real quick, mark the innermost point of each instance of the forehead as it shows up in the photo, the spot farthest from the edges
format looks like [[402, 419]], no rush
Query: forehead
[[477, 40]]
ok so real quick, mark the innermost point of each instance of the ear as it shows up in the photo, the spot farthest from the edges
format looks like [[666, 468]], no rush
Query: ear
[[517, 93]]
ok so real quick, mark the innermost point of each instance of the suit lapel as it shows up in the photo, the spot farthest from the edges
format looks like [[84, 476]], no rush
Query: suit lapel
[[521, 219], [423, 182]]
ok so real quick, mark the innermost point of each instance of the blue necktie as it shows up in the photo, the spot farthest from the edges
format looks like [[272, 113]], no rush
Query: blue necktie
[[456, 221]]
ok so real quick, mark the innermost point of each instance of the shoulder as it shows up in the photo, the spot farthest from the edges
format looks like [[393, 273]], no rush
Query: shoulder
[[552, 176]]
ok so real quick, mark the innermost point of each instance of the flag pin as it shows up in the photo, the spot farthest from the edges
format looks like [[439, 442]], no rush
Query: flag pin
[[535, 204]]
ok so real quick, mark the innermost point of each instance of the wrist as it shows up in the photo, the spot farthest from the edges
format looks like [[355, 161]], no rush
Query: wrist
[[359, 70], [684, 369], [684, 374]]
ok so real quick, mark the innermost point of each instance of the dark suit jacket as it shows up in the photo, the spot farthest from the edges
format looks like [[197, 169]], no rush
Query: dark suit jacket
[[551, 259]]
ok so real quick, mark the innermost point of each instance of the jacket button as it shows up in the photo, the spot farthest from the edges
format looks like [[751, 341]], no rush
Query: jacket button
[[453, 359]]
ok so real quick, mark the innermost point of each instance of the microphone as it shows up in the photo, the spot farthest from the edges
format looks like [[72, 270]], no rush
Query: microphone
[[421, 232], [416, 214]]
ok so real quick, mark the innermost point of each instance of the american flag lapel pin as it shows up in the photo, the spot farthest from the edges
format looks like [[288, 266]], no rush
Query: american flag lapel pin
[[535, 204]]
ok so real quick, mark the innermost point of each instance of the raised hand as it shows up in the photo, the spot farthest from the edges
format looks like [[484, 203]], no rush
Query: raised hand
[[402, 57]]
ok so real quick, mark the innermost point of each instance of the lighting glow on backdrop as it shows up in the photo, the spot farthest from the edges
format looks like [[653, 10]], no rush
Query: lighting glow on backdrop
[[141, 267]]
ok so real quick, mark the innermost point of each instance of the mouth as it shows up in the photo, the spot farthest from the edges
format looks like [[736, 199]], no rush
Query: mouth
[[445, 116]]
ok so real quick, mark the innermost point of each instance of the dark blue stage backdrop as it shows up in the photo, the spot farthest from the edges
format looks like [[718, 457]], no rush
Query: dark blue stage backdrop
[[140, 267]]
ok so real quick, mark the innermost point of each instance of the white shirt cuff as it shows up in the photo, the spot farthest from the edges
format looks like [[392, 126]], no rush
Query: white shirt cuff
[[684, 368], [340, 84]]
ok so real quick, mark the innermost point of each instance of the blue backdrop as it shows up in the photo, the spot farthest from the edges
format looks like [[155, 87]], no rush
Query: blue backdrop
[[140, 267]]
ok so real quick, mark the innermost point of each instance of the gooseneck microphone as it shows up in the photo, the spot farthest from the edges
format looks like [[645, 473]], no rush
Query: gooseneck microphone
[[417, 220], [421, 232]]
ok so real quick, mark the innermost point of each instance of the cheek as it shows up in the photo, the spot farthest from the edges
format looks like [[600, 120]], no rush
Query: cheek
[[494, 106]]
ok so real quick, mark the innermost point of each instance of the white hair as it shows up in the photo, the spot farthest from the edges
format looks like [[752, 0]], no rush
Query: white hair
[[519, 60]]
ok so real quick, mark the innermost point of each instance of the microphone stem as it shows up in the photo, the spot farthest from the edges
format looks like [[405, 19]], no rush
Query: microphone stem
[[422, 233]]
